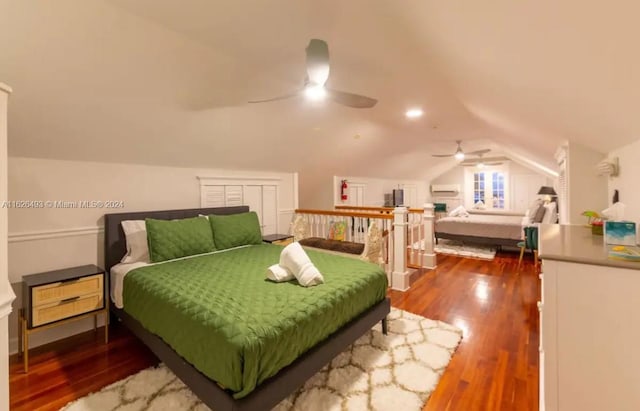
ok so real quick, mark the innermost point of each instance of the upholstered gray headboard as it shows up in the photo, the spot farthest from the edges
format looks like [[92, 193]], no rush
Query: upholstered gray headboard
[[115, 246]]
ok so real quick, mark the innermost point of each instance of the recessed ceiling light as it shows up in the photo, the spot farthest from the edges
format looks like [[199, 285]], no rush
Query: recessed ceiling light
[[414, 113]]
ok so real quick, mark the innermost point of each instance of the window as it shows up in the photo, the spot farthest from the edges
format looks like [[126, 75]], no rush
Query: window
[[478, 187], [488, 186], [498, 189]]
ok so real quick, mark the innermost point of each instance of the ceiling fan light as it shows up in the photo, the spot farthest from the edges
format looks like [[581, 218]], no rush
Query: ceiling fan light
[[480, 165], [459, 155], [315, 92]]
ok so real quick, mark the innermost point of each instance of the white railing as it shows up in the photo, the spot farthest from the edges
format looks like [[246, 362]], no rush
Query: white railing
[[407, 241], [318, 224], [420, 232]]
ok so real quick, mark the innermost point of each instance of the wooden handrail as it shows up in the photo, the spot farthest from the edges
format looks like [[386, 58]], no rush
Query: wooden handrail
[[344, 213], [380, 209]]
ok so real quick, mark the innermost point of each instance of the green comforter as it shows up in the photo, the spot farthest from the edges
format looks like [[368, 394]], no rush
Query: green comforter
[[220, 313]]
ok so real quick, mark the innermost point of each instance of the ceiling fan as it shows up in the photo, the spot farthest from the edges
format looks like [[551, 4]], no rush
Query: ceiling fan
[[317, 75], [479, 162], [459, 154]]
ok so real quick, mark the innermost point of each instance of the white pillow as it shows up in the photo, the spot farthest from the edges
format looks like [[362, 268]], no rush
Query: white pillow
[[459, 211], [533, 208], [135, 232], [550, 214], [479, 205]]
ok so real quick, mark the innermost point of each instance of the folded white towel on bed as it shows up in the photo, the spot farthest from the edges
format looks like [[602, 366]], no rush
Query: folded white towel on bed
[[296, 260], [279, 274]]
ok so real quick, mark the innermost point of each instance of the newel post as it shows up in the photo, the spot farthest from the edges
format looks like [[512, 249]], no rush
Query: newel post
[[428, 253], [400, 274]]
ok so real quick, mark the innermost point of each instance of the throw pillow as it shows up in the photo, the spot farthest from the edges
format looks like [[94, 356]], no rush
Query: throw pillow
[[533, 208], [539, 215], [300, 228], [135, 232], [551, 214], [235, 230], [338, 231], [178, 238]]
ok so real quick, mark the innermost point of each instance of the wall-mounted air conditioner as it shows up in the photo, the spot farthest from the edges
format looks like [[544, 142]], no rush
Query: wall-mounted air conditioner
[[445, 189], [608, 167]]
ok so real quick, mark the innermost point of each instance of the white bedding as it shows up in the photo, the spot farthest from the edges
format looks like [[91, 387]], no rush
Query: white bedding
[[483, 225], [119, 272]]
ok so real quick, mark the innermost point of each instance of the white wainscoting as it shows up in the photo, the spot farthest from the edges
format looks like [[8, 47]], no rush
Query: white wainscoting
[[59, 233]]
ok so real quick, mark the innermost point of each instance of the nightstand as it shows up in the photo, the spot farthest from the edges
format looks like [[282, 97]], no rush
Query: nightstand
[[58, 297], [280, 239]]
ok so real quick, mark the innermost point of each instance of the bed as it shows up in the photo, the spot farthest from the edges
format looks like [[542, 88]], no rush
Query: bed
[[482, 228], [243, 343]]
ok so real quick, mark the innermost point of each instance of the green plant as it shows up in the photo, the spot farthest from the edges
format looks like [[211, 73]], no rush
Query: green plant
[[592, 216]]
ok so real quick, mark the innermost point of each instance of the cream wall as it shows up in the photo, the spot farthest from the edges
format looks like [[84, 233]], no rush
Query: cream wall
[[322, 191], [586, 189], [376, 188], [627, 181], [456, 175], [315, 191], [51, 238]]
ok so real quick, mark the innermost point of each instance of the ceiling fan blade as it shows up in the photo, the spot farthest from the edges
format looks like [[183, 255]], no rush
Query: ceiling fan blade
[[478, 152], [476, 163], [286, 96], [441, 155], [317, 62], [350, 99]]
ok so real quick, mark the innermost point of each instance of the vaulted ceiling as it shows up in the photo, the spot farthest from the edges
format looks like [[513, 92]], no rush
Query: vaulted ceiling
[[166, 82]]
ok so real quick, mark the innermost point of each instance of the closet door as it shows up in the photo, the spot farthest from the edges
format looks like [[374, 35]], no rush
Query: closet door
[[259, 196], [253, 199], [356, 194], [222, 196], [410, 195], [213, 196], [263, 199], [233, 196], [269, 218]]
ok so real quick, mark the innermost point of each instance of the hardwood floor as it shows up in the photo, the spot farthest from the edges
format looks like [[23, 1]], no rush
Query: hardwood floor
[[494, 368], [496, 365]]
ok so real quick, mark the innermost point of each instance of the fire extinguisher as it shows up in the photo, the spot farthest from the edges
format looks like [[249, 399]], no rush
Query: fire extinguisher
[[343, 190]]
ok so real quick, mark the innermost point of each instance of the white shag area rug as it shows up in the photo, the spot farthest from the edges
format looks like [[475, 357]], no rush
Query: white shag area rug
[[453, 247], [394, 372]]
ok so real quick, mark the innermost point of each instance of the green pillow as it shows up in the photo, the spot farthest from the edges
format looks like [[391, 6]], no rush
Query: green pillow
[[235, 230], [178, 238]]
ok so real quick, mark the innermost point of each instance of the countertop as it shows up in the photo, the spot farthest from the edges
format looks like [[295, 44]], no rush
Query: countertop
[[575, 243]]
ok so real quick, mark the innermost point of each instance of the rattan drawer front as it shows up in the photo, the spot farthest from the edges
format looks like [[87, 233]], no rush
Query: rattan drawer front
[[58, 311], [57, 292]]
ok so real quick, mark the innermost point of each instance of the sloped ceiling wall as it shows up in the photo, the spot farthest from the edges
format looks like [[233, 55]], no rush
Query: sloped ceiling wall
[[165, 82]]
